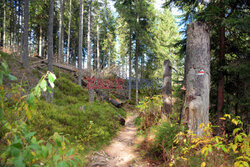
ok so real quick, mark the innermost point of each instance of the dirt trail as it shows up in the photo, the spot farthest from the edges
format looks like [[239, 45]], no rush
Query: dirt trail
[[122, 150]]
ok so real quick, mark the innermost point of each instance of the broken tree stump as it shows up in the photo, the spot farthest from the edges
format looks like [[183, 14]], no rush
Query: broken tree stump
[[197, 77]]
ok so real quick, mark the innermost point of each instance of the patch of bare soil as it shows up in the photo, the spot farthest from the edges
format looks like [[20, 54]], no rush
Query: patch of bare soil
[[122, 151]]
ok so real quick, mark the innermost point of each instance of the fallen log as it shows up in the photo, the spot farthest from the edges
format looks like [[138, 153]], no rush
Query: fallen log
[[107, 98]]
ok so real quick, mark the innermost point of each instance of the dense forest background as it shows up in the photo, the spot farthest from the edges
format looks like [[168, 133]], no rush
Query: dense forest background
[[123, 39]]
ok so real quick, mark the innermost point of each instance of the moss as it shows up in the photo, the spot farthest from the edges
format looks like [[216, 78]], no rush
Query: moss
[[66, 92], [93, 126], [97, 124]]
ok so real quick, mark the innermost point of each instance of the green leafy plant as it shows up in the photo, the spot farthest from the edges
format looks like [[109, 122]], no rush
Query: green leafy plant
[[4, 72], [213, 149], [25, 150], [150, 111]]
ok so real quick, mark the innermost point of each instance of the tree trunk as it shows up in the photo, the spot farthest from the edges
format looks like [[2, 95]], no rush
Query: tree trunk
[[90, 91], [89, 33], [25, 58], [4, 24], [40, 42], [109, 63], [60, 44], [167, 87], [142, 65], [68, 43], [130, 64], [98, 47], [50, 35], [14, 29], [197, 72], [11, 22], [136, 61], [221, 79], [19, 23], [80, 44]]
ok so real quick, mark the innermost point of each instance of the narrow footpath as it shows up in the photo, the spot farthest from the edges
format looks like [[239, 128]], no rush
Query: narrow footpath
[[122, 150]]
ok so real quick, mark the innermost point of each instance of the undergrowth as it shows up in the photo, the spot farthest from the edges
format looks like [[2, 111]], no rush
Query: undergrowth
[[174, 145], [68, 120]]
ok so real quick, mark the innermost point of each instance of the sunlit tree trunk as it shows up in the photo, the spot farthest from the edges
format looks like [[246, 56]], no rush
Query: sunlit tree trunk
[[15, 25], [68, 43], [50, 35], [80, 44], [167, 87], [20, 24], [89, 33], [91, 91], [25, 58], [60, 42], [98, 47], [197, 77], [136, 61], [40, 42], [4, 24]]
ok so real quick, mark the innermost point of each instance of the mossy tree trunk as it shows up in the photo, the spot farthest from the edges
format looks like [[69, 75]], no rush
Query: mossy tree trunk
[[197, 77]]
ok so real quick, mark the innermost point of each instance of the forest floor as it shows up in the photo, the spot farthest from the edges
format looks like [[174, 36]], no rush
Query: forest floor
[[122, 150]]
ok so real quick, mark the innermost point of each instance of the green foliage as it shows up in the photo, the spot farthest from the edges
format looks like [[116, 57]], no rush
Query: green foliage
[[165, 135], [215, 150], [71, 114], [25, 150], [96, 124], [4, 72], [66, 92], [150, 111]]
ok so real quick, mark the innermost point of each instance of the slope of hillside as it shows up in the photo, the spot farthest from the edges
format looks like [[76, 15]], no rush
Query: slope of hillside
[[87, 126]]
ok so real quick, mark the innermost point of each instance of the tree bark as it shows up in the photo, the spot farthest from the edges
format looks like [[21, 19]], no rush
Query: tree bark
[[89, 33], [40, 42], [80, 44], [197, 72], [60, 44], [4, 24], [25, 57], [221, 79], [15, 28], [130, 64], [50, 35], [98, 47], [136, 60], [68, 43], [90, 91], [142, 65], [167, 87]]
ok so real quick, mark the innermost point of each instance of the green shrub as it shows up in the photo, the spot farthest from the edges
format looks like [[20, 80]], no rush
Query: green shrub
[[67, 92], [25, 150], [150, 111], [96, 124], [165, 135]]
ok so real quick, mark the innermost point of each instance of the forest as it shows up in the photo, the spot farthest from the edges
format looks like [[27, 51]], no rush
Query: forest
[[124, 83]]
